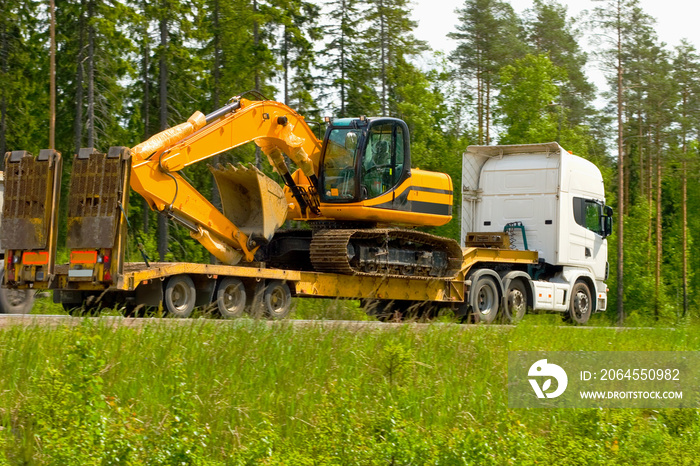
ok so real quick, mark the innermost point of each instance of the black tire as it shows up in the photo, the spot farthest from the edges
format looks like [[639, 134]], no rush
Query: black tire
[[484, 298], [231, 298], [516, 301], [580, 304], [180, 296], [277, 300], [15, 301]]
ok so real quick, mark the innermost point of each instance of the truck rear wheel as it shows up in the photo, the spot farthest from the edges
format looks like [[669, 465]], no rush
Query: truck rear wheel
[[484, 299], [231, 298], [277, 300], [179, 296], [580, 305], [15, 301]]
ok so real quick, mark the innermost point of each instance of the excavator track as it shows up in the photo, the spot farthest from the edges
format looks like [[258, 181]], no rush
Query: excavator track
[[384, 252]]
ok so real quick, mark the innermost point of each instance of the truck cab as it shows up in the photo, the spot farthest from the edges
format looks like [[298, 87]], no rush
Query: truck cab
[[549, 201]]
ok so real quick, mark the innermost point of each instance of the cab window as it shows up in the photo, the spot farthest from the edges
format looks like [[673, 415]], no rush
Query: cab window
[[588, 214], [383, 160], [339, 164]]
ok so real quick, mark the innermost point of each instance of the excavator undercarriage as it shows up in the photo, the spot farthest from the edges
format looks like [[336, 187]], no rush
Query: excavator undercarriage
[[364, 251]]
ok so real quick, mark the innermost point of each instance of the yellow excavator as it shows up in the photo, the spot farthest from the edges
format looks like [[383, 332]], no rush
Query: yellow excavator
[[354, 189]]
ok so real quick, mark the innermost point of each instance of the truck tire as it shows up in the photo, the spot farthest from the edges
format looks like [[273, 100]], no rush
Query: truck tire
[[484, 299], [15, 301], [179, 296], [231, 298], [580, 305], [277, 300], [516, 301]]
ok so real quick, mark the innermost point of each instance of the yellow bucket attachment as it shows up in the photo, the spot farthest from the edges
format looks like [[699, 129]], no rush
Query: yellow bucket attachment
[[251, 200]]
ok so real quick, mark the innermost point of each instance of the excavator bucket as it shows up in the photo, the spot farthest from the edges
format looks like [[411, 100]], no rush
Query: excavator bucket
[[251, 200]]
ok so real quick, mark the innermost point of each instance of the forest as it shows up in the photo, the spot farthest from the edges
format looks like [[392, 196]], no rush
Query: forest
[[126, 69]]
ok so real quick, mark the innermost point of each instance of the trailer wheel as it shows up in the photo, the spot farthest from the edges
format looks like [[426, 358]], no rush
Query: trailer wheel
[[277, 300], [580, 305], [484, 299], [179, 296], [231, 298], [516, 305], [15, 301]]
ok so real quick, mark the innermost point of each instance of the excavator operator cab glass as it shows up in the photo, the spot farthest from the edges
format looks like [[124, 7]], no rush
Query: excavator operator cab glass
[[363, 159], [338, 176], [383, 159]]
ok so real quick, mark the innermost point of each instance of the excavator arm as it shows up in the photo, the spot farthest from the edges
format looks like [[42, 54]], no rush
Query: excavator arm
[[275, 128]]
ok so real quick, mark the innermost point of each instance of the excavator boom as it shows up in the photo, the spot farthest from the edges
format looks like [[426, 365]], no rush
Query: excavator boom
[[253, 205]]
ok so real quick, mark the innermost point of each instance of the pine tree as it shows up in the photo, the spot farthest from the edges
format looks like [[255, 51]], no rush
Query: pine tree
[[551, 31], [24, 102], [337, 54], [488, 37], [390, 40], [686, 67], [613, 17], [299, 30]]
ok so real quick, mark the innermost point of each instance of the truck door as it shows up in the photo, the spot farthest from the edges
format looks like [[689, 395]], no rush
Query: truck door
[[586, 239]]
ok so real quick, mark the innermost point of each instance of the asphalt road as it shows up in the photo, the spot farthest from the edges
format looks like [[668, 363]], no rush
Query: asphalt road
[[7, 320]]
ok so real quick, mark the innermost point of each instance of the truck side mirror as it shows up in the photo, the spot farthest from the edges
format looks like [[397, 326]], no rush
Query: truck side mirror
[[607, 221]]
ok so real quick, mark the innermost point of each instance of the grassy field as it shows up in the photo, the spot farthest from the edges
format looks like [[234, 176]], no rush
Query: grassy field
[[245, 392]]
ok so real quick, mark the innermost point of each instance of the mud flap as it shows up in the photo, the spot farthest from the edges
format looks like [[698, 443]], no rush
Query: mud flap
[[97, 203], [30, 215]]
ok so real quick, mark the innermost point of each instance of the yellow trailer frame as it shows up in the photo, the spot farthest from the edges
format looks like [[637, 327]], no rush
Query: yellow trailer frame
[[310, 284]]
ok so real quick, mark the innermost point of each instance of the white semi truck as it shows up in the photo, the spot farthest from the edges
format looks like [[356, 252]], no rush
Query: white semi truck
[[549, 201]]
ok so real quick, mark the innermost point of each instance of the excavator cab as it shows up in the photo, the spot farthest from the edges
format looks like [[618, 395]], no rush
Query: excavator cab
[[365, 175], [363, 159]]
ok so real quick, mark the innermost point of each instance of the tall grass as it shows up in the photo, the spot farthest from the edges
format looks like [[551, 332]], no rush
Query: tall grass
[[249, 392]]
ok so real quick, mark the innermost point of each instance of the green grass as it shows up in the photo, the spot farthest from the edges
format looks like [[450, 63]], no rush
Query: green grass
[[246, 392]]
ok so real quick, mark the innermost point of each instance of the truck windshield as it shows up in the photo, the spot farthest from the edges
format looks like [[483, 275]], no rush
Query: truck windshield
[[339, 164]]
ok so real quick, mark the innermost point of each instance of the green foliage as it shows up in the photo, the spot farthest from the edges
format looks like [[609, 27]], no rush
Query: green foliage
[[70, 420], [530, 105], [251, 393], [488, 37], [530, 88], [23, 96], [551, 32]]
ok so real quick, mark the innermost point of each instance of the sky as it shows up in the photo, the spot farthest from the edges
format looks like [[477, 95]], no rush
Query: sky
[[676, 19]]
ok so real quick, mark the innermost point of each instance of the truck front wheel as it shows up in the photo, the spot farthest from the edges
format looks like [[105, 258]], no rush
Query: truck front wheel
[[484, 299], [580, 306]]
